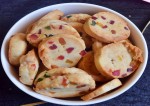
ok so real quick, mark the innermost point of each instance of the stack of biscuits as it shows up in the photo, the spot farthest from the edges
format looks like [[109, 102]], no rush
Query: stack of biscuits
[[65, 56]]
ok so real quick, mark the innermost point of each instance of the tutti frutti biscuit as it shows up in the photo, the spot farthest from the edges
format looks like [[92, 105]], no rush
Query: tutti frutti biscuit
[[49, 28], [118, 60], [29, 65], [17, 48], [107, 27], [64, 82], [53, 15], [61, 51]]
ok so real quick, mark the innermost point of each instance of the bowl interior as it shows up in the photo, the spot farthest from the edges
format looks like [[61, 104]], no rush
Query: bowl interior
[[68, 8]]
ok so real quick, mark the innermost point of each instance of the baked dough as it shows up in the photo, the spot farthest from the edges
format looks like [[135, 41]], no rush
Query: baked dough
[[64, 82], [107, 27], [61, 51], [28, 69], [118, 60], [17, 48]]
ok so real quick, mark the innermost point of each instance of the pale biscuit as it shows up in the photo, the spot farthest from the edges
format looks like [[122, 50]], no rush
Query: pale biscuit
[[17, 48], [87, 64], [102, 89], [79, 27], [48, 29], [107, 27], [61, 51], [118, 60], [81, 18], [28, 69], [53, 15], [64, 82]]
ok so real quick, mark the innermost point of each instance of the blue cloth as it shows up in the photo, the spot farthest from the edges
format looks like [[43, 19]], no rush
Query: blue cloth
[[136, 10]]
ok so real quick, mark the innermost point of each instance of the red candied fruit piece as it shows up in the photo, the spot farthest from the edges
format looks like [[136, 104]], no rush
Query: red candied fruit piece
[[112, 22], [70, 49], [64, 82], [94, 18], [33, 36], [53, 47], [103, 17], [60, 27], [40, 31], [105, 26], [116, 73], [82, 53], [62, 41], [113, 31], [33, 66], [61, 57]]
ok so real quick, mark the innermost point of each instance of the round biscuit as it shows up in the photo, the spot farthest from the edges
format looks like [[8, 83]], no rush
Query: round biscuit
[[61, 51], [107, 27], [118, 60]]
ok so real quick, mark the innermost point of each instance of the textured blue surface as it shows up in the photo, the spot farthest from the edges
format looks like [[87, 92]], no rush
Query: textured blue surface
[[136, 10]]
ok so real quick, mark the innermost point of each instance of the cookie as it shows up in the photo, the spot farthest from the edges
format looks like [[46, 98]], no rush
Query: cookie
[[53, 15], [81, 18], [107, 27], [17, 48], [48, 29], [64, 82], [118, 60], [28, 69], [79, 27], [115, 83], [61, 51], [87, 64]]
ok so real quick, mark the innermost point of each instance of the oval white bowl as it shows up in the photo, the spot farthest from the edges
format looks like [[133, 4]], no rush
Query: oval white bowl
[[68, 8]]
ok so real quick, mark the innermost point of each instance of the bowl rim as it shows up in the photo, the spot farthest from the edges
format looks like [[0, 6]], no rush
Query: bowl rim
[[65, 102]]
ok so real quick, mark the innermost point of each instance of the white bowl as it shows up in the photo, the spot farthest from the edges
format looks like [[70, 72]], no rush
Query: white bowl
[[68, 8]]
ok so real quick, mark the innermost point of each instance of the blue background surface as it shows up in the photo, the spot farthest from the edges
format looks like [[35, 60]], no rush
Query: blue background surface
[[136, 10]]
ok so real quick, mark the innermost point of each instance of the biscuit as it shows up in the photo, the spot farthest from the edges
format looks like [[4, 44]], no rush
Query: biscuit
[[79, 27], [102, 89], [118, 60], [28, 69], [64, 82], [17, 48], [53, 15], [107, 27], [81, 18], [48, 29], [61, 51], [87, 64]]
